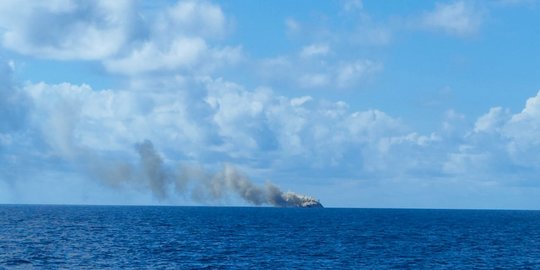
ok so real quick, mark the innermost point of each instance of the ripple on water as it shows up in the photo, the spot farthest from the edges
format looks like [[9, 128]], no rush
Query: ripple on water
[[90, 237]]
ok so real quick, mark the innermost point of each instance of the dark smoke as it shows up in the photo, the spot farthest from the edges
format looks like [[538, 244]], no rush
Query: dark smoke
[[152, 165], [204, 186]]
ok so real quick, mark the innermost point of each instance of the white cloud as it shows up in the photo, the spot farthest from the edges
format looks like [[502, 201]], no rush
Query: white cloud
[[292, 25], [72, 118], [221, 121], [492, 121], [315, 73], [349, 73], [194, 18], [13, 103], [307, 133], [175, 38], [315, 50], [531, 112], [65, 29], [300, 101], [523, 132], [330, 58], [501, 147], [178, 41], [227, 121], [180, 53], [457, 18], [196, 116]]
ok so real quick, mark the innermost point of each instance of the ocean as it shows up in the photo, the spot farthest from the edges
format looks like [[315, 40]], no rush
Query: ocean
[[162, 237]]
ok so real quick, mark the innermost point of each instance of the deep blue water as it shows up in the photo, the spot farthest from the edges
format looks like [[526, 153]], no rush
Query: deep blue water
[[98, 237]]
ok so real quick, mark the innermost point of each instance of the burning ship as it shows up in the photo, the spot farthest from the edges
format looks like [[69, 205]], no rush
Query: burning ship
[[302, 201]]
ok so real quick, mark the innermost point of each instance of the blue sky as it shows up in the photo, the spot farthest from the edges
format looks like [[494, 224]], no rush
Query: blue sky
[[431, 104]]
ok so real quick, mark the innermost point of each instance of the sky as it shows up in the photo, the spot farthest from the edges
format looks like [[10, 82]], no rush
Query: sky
[[401, 104]]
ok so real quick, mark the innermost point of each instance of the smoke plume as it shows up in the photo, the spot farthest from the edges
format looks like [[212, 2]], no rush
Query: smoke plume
[[205, 186]]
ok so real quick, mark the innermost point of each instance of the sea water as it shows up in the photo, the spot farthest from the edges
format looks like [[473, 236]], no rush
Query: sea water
[[134, 237]]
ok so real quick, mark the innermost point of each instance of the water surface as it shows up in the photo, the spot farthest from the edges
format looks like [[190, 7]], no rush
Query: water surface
[[90, 237]]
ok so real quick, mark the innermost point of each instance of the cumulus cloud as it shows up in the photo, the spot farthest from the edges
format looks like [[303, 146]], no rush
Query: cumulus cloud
[[268, 134], [14, 104], [16, 140], [71, 117], [492, 121], [178, 41], [315, 50], [191, 114], [181, 54], [66, 29], [306, 133], [125, 40], [194, 18], [310, 72], [183, 37], [349, 73], [522, 131], [457, 18], [329, 59], [500, 149], [227, 123]]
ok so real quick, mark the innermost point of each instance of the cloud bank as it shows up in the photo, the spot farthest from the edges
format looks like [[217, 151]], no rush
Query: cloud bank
[[268, 118], [268, 135]]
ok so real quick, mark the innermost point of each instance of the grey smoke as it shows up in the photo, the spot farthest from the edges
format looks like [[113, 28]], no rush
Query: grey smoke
[[154, 172], [205, 186]]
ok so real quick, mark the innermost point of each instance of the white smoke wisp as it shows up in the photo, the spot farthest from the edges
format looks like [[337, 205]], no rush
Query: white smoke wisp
[[205, 186]]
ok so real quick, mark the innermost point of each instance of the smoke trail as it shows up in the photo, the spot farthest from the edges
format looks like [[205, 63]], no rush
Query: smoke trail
[[152, 164], [204, 186]]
